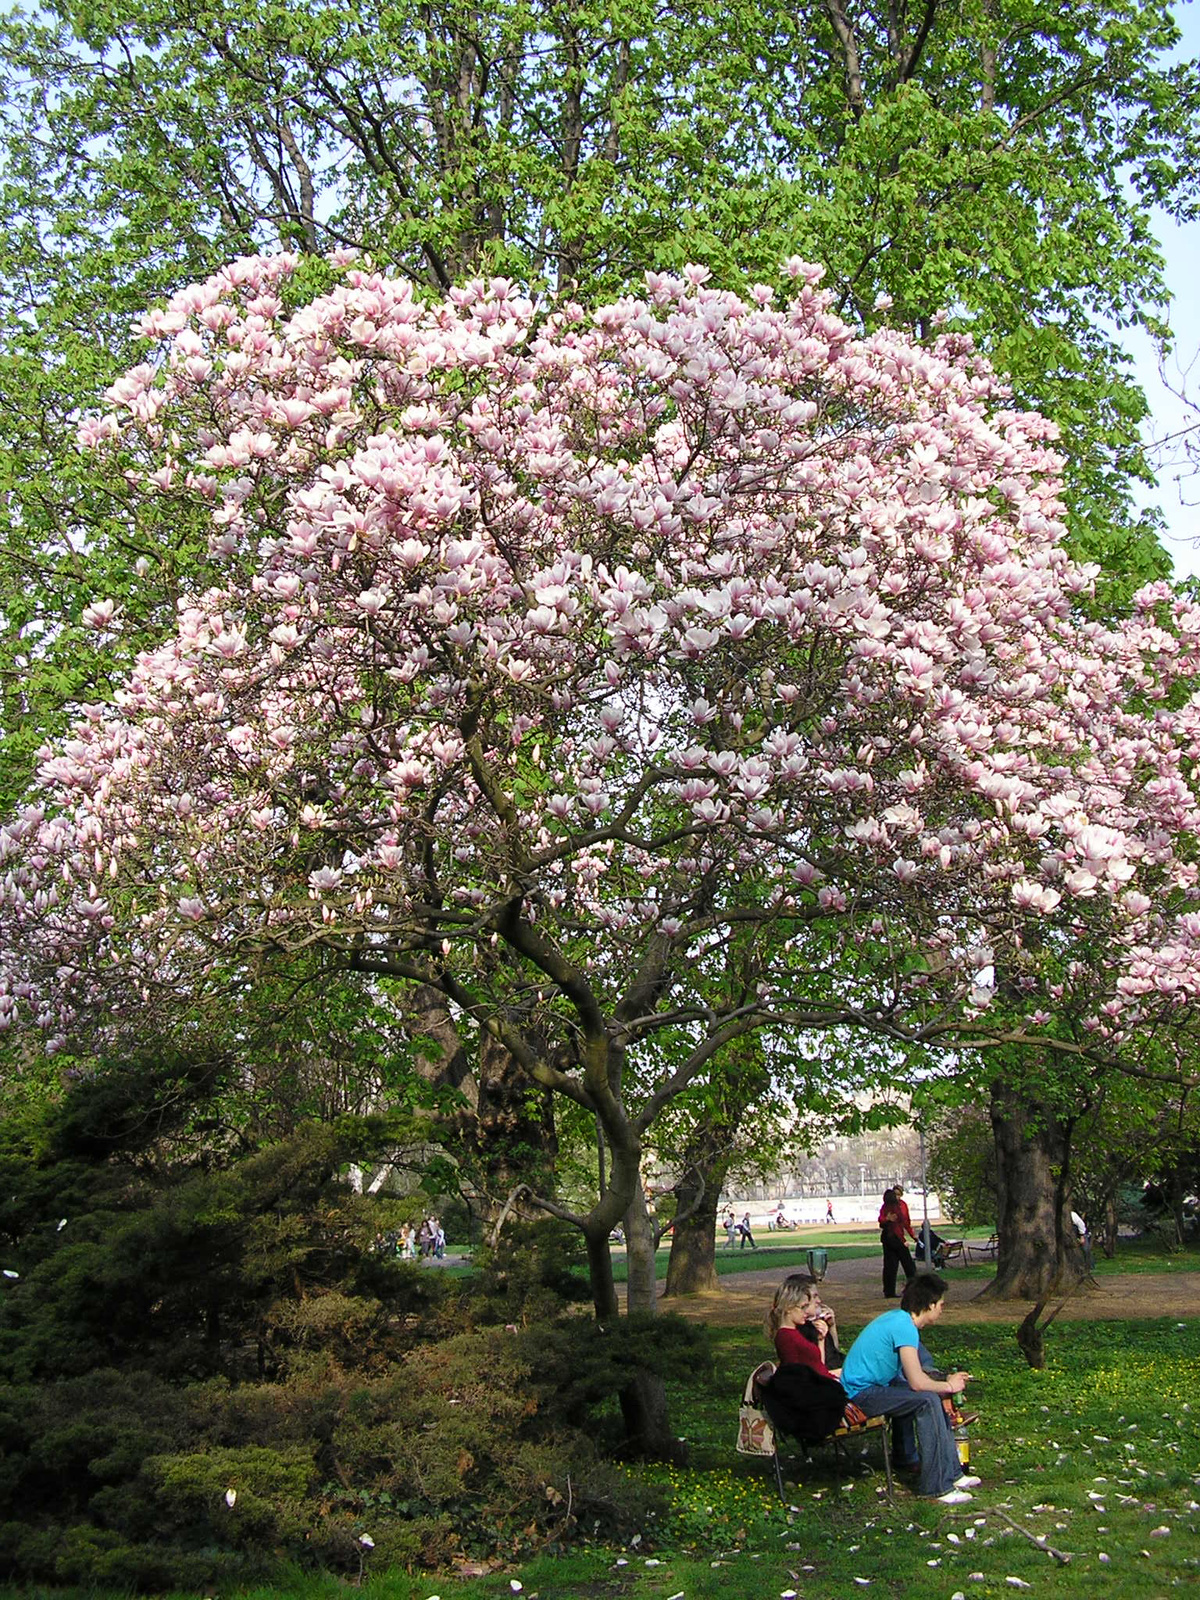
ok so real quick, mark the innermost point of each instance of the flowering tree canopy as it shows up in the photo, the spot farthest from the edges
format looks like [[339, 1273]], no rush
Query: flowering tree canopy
[[590, 668]]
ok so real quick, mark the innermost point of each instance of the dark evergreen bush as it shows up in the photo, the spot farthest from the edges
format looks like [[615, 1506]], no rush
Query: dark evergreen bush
[[210, 1372]]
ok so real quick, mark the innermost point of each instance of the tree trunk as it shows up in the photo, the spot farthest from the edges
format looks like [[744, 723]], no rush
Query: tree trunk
[[642, 1291], [1175, 1196], [505, 1129], [1110, 1225], [1033, 1222], [647, 1424], [692, 1268], [644, 1397], [600, 1275], [510, 1134], [705, 1163]]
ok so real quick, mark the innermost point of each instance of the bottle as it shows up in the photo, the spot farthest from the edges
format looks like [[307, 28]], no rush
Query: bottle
[[962, 1440]]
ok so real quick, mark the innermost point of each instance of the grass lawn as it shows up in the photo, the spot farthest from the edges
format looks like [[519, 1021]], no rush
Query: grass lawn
[[1099, 1454], [1134, 1256]]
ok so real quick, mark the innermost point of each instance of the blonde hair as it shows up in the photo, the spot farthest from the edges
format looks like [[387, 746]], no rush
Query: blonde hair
[[798, 1289]]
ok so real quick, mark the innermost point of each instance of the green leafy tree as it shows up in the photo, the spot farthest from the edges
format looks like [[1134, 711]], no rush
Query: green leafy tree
[[994, 159]]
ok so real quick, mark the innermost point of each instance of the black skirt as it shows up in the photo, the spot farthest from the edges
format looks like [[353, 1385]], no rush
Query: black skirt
[[801, 1402]]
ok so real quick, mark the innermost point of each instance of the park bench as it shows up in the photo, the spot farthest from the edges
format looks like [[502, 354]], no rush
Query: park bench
[[761, 1437], [983, 1252]]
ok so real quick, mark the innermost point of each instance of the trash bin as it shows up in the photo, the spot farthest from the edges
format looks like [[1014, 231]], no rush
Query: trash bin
[[818, 1261]]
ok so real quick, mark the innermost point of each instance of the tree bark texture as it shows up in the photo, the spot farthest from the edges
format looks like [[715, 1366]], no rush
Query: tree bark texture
[[647, 1424], [1036, 1256], [510, 1134], [506, 1126], [642, 1292], [692, 1268]]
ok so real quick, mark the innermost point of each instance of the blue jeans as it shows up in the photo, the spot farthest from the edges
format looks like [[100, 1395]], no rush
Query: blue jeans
[[920, 1426]]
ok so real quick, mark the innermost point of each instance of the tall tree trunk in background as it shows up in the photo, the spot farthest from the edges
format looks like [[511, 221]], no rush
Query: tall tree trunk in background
[[692, 1268], [1174, 1191], [1033, 1223], [1110, 1225], [509, 1137], [505, 1128]]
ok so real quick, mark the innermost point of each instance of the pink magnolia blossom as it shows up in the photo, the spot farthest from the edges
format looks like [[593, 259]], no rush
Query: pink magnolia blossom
[[604, 635]]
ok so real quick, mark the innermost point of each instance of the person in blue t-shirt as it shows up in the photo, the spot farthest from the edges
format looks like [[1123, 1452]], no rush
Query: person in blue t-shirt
[[883, 1375]]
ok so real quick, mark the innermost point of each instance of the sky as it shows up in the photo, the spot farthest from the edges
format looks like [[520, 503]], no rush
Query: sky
[[1178, 499]]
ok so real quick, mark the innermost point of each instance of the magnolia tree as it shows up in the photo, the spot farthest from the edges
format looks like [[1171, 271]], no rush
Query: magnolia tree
[[630, 680]]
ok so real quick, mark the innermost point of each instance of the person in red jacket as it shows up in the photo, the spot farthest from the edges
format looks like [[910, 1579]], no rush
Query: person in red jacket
[[891, 1236], [902, 1208]]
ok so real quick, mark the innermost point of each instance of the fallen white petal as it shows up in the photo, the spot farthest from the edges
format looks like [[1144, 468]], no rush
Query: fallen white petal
[[1160, 1533], [231, 1498], [1017, 1583], [366, 1541]]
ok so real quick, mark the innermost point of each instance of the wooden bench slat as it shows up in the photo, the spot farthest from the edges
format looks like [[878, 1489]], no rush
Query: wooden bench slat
[[859, 1427]]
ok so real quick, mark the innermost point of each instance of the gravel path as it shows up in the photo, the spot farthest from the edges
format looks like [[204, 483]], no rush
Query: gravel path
[[854, 1289]]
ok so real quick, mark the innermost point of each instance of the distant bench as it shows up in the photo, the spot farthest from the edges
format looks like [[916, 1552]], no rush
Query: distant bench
[[983, 1252]]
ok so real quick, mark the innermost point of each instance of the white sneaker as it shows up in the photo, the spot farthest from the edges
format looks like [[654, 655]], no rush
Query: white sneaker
[[967, 1481], [954, 1497]]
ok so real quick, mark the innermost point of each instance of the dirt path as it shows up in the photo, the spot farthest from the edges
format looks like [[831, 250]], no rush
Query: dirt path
[[854, 1290]]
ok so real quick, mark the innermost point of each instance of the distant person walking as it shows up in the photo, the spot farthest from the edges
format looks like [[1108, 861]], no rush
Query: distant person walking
[[731, 1230], [895, 1251], [829, 1211], [746, 1235]]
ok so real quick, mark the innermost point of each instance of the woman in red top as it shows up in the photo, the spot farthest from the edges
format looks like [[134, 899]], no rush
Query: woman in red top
[[803, 1397], [794, 1324]]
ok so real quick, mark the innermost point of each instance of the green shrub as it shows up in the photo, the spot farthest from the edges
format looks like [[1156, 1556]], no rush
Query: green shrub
[[532, 1272], [208, 1322]]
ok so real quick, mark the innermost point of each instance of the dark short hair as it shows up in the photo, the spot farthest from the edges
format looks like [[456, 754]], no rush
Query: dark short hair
[[922, 1293]]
